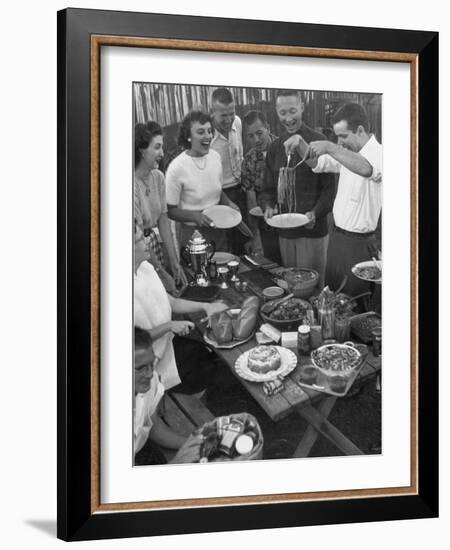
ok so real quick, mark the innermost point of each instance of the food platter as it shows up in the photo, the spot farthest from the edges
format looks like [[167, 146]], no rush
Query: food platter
[[288, 364], [224, 217], [209, 339], [287, 221], [368, 271]]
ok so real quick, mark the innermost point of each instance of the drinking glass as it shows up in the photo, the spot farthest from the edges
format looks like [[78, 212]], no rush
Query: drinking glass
[[342, 329], [233, 266], [223, 272]]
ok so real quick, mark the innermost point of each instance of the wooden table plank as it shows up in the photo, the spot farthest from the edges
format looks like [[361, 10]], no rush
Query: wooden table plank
[[324, 426], [310, 437], [276, 406], [293, 396]]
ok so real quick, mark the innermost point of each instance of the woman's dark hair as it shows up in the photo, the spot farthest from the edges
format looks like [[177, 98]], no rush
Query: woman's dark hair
[[185, 128], [142, 338], [354, 114], [143, 135]]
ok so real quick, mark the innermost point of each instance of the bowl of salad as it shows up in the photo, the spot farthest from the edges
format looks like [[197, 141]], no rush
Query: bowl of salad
[[301, 281], [336, 359]]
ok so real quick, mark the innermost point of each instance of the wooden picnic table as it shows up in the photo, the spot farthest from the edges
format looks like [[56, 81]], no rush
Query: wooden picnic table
[[314, 406]]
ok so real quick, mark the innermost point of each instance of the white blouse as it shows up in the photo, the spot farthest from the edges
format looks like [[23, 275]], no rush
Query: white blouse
[[151, 309], [194, 183]]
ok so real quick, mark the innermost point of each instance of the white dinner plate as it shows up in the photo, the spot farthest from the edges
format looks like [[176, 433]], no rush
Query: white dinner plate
[[224, 217], [288, 364], [287, 221]]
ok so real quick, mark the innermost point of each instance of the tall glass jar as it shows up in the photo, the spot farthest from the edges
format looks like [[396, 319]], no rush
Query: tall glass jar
[[303, 340], [327, 323]]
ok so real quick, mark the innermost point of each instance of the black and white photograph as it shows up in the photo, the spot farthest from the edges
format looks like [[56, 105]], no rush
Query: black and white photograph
[[257, 273]]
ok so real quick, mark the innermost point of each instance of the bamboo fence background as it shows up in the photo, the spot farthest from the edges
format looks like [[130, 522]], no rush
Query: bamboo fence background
[[167, 104]]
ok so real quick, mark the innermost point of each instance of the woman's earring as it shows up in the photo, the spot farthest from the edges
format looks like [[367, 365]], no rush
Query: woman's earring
[[189, 139]]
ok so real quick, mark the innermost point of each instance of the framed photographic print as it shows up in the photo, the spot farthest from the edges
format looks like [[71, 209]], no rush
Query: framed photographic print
[[247, 274]]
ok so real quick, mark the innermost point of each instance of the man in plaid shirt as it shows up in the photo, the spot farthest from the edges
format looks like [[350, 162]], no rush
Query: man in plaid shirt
[[259, 138]]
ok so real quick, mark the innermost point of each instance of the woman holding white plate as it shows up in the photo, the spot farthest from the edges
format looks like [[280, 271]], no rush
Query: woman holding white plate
[[194, 182]]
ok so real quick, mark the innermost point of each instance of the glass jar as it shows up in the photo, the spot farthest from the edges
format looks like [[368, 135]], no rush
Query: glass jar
[[327, 323], [342, 329], [303, 340]]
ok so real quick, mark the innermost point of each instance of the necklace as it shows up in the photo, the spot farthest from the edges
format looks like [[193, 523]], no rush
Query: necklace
[[199, 165], [146, 182]]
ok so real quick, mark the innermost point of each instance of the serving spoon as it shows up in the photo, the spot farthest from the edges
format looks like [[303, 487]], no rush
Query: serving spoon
[[376, 263], [276, 303]]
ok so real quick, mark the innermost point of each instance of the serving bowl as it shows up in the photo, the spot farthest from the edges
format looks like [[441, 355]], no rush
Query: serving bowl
[[295, 307], [337, 360], [301, 281]]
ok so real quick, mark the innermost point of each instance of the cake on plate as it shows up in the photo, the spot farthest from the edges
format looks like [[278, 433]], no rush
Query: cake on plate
[[263, 359]]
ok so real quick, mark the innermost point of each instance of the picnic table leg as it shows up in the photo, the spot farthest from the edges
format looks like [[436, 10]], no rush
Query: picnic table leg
[[326, 428], [310, 436]]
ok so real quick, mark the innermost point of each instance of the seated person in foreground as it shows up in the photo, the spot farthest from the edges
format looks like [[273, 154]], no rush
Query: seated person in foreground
[[183, 363], [150, 432]]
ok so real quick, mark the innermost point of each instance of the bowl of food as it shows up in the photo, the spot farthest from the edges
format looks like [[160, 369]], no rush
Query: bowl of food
[[301, 281], [336, 360], [287, 313], [368, 271], [363, 324], [272, 292]]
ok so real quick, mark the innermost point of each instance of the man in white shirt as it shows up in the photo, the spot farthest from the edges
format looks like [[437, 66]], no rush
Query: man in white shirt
[[227, 141], [358, 158], [149, 429]]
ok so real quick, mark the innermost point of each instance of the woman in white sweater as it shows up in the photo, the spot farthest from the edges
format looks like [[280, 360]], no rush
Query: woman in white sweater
[[194, 182]]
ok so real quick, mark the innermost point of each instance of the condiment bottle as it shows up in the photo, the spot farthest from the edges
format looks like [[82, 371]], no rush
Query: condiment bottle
[[303, 340]]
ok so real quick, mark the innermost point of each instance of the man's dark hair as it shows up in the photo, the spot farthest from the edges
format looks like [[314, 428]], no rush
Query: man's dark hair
[[142, 338], [184, 131], [252, 116], [222, 95], [143, 135], [354, 114], [289, 93]]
